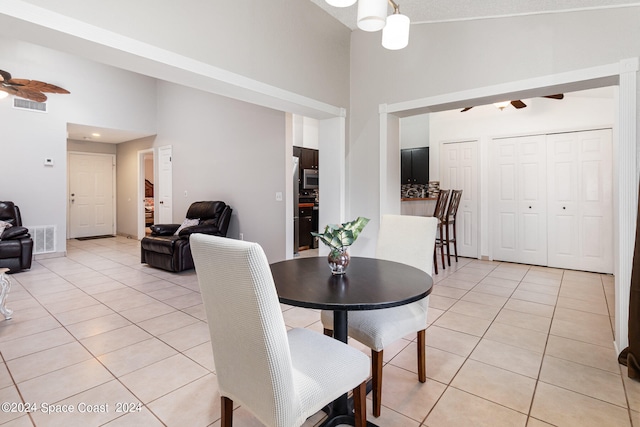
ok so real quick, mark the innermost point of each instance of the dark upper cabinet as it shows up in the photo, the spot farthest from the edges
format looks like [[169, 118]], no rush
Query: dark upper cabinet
[[405, 169], [309, 158], [297, 152], [414, 165]]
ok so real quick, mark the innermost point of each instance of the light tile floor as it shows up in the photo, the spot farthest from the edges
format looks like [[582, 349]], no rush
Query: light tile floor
[[124, 344]]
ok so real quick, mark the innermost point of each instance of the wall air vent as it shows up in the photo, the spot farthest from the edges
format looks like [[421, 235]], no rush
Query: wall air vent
[[44, 238], [25, 104]]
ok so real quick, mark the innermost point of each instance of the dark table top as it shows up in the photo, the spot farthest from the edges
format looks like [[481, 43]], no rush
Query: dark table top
[[368, 284]]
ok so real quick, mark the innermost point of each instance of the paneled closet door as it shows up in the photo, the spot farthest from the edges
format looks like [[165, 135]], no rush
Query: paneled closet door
[[580, 201], [459, 166], [518, 201]]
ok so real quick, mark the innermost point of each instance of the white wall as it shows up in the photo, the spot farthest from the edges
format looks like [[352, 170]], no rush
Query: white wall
[[414, 131], [100, 95], [290, 44], [127, 183], [91, 147], [451, 57], [579, 111], [305, 131], [222, 150]]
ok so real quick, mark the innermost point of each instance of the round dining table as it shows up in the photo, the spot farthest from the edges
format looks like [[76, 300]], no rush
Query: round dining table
[[368, 284]]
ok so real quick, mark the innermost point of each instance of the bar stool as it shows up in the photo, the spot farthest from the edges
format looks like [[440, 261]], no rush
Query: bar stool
[[440, 212], [449, 221]]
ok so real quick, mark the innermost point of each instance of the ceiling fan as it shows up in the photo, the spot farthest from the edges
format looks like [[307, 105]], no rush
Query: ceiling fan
[[519, 104], [28, 89]]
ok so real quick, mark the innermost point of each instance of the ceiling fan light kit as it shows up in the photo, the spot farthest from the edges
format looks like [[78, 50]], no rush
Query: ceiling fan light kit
[[517, 103], [501, 105], [372, 16]]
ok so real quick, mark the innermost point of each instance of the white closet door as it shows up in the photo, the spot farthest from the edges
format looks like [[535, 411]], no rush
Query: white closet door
[[580, 201], [518, 212], [459, 166], [532, 179]]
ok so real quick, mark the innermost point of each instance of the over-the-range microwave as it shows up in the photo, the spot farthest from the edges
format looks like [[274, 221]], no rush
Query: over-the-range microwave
[[309, 179]]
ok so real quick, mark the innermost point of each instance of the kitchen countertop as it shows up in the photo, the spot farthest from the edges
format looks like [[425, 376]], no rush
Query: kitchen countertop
[[411, 199], [305, 205]]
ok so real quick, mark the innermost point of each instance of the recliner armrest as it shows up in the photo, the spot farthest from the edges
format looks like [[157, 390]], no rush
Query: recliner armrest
[[164, 229], [201, 228], [14, 233]]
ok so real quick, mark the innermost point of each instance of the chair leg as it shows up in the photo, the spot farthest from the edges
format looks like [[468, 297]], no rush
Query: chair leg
[[447, 240], [360, 405], [442, 248], [227, 412], [328, 332], [422, 366], [455, 241], [376, 373], [435, 259]]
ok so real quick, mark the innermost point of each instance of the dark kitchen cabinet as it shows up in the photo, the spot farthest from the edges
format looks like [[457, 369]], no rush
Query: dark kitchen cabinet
[[309, 159], [306, 227], [414, 163]]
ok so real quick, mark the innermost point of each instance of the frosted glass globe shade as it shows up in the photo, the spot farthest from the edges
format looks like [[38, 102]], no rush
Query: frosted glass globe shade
[[372, 14], [395, 34]]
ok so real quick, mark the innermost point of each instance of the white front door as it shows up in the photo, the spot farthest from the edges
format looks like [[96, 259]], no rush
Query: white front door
[[459, 166], [91, 194], [518, 199], [580, 201], [164, 199]]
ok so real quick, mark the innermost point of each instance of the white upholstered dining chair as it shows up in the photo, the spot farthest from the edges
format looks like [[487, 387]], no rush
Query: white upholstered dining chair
[[282, 377], [409, 240]]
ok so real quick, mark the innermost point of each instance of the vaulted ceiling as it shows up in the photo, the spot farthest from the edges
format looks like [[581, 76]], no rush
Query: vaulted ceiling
[[455, 10]]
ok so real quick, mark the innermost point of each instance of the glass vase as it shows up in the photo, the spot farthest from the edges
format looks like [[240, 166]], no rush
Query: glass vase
[[338, 261]]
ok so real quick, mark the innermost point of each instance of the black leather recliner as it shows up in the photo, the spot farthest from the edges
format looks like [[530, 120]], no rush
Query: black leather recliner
[[16, 245], [163, 249]]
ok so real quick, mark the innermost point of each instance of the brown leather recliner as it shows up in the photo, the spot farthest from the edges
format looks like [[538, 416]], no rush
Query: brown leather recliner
[[16, 245], [168, 251]]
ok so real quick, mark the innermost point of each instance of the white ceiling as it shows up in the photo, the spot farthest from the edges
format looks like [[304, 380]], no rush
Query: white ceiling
[[98, 134], [421, 11]]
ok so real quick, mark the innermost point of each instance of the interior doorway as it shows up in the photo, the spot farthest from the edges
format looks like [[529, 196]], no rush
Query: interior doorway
[[621, 75]]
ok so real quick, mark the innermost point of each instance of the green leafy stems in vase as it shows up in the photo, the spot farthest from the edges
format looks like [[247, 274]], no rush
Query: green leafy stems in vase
[[339, 238]]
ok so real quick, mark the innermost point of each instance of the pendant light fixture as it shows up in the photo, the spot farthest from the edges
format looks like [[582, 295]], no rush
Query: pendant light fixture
[[372, 16], [395, 34]]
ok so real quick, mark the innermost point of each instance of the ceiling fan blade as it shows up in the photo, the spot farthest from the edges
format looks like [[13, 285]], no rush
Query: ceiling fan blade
[[29, 94], [518, 104], [4, 76], [558, 96], [466, 109], [38, 86]]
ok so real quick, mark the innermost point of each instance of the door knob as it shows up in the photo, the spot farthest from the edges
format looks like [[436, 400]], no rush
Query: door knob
[[564, 207]]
